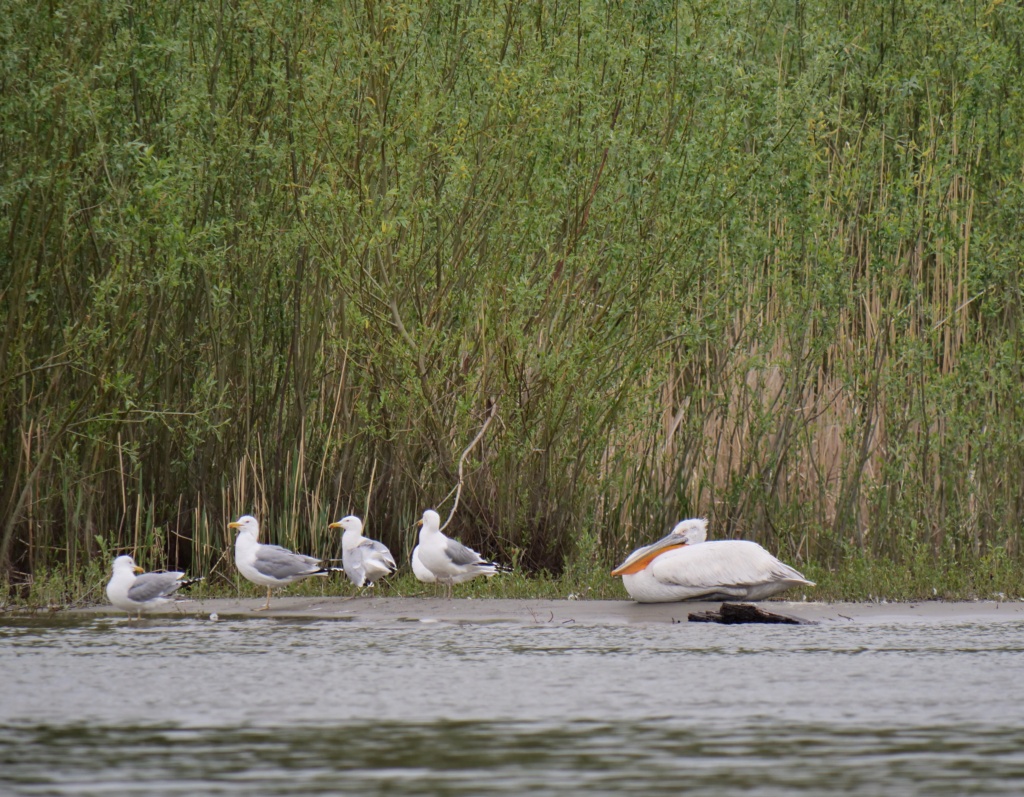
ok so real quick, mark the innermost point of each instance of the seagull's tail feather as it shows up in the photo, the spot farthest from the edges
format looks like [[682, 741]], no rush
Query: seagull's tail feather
[[185, 583], [326, 570]]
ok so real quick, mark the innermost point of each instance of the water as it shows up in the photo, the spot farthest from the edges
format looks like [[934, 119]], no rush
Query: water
[[184, 706]]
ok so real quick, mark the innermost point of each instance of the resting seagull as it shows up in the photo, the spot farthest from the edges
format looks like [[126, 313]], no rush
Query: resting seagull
[[682, 566], [447, 560], [139, 594], [365, 560], [270, 565]]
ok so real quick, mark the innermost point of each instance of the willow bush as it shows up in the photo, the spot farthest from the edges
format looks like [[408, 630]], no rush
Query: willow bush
[[756, 263]]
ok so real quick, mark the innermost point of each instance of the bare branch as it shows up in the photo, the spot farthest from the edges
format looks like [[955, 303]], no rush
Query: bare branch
[[462, 460]]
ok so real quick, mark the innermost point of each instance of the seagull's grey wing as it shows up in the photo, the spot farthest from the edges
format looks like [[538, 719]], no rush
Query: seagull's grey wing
[[352, 560], [150, 586], [277, 562], [460, 554], [381, 551]]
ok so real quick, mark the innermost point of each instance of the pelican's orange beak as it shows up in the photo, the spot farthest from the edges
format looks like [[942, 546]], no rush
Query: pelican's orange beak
[[642, 557]]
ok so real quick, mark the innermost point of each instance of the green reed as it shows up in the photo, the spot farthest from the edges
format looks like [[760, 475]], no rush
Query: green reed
[[758, 264]]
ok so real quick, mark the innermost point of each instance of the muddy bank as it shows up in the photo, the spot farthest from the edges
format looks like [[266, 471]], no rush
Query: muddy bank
[[461, 610]]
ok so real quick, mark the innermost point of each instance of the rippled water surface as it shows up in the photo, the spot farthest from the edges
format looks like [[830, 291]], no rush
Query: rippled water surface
[[183, 706]]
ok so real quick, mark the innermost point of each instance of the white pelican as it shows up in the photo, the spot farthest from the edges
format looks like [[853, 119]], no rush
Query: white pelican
[[446, 560], [270, 565], [365, 560], [682, 566], [141, 593]]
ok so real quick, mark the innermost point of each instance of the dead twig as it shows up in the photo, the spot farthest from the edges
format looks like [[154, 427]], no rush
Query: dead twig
[[462, 460]]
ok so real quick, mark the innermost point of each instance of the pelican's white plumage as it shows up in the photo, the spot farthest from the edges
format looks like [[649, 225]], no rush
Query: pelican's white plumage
[[270, 565], [683, 566], [140, 593], [365, 560], [446, 560]]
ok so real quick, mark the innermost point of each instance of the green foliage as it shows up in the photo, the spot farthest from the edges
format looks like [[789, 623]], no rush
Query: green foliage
[[760, 263], [918, 573]]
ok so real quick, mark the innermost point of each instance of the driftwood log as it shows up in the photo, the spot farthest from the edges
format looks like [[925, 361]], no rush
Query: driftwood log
[[734, 613]]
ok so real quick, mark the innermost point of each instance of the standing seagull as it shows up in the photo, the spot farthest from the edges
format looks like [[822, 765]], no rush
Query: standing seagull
[[270, 565], [447, 560], [427, 577], [682, 566], [365, 560], [139, 594]]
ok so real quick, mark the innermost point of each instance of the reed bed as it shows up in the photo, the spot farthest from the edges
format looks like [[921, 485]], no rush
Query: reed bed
[[757, 264]]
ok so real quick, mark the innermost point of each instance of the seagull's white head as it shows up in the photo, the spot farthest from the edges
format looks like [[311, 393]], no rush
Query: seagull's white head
[[125, 564], [686, 532], [246, 524], [431, 522], [353, 533], [348, 523]]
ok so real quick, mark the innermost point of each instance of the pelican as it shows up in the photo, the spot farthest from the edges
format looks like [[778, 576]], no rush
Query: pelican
[[447, 561], [365, 560], [682, 566], [139, 594], [270, 565]]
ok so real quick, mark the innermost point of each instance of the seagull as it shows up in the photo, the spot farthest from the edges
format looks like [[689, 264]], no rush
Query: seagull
[[139, 594], [365, 560], [427, 577], [682, 566], [270, 565], [448, 561]]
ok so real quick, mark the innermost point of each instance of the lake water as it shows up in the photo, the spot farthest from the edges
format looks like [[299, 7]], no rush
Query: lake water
[[261, 706]]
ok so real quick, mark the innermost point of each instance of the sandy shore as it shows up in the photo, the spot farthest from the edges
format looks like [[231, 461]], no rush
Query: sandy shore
[[556, 612]]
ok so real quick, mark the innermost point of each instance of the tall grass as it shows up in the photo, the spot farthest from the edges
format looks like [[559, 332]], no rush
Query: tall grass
[[756, 263]]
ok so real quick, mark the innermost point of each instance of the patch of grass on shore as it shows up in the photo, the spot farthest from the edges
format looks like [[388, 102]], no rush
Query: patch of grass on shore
[[919, 576]]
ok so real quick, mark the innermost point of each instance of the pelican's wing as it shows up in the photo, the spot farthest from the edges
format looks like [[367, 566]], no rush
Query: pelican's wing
[[274, 561], [722, 563], [150, 586]]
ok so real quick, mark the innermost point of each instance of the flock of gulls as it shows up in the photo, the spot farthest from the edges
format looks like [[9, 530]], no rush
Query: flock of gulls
[[682, 565]]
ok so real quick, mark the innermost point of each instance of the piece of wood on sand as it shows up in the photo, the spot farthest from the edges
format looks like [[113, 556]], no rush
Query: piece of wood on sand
[[735, 613]]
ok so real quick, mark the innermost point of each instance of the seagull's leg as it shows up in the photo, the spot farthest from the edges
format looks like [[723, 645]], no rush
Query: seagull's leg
[[267, 606]]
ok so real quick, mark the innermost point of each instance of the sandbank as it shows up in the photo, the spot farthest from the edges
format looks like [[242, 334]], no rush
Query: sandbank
[[371, 609]]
